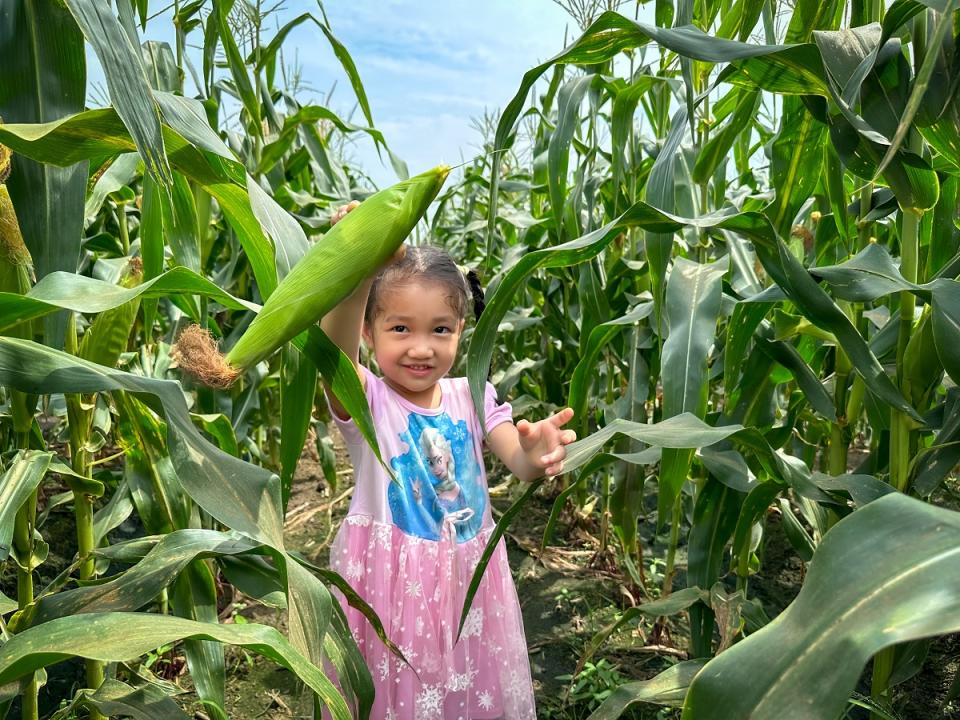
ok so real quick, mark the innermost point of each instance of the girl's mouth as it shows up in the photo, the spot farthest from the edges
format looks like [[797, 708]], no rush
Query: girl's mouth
[[419, 369]]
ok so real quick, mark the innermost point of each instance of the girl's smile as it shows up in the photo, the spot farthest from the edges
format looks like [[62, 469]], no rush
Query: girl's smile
[[414, 339]]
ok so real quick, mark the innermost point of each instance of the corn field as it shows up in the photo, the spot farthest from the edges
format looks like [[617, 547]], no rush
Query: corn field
[[728, 238]]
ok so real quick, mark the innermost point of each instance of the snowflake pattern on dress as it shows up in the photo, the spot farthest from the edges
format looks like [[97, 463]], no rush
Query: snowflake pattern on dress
[[383, 667], [429, 703], [485, 700], [384, 535], [458, 682], [414, 588], [354, 569], [410, 654]]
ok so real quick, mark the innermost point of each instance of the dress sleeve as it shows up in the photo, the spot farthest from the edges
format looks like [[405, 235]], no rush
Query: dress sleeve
[[349, 429], [496, 412]]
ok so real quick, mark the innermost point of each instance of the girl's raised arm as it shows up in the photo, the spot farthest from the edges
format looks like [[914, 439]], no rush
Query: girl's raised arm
[[344, 324]]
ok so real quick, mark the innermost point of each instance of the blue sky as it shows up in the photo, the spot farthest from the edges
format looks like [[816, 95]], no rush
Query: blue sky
[[429, 68]]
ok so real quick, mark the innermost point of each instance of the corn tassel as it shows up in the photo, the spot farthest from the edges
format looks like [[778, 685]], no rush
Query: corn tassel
[[350, 252]]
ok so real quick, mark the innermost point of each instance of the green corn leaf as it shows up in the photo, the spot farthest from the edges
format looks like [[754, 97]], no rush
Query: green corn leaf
[[119, 636], [660, 192], [946, 326], [846, 611], [718, 147], [160, 65], [126, 81], [155, 219], [612, 33], [501, 527], [692, 307], [298, 386], [558, 151], [238, 70], [920, 85], [21, 478], [100, 132], [668, 688], [107, 336], [243, 497], [88, 295], [147, 702], [120, 174], [599, 337], [715, 517], [195, 598], [143, 582], [797, 154]]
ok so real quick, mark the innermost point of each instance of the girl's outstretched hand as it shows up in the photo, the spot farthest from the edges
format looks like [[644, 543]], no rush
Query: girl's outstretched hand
[[544, 442]]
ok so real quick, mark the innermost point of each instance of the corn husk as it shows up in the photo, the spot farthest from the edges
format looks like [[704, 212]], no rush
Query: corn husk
[[349, 253], [16, 265], [5, 157]]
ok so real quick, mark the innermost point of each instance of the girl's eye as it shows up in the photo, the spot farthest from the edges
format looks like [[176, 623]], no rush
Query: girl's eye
[[398, 328], [442, 330]]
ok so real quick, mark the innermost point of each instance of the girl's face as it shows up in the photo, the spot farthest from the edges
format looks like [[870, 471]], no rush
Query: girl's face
[[414, 338]]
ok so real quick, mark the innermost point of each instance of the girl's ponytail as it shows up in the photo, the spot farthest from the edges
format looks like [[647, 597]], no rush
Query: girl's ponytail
[[473, 282]]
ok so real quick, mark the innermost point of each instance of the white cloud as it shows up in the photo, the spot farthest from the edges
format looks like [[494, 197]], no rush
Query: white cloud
[[429, 68]]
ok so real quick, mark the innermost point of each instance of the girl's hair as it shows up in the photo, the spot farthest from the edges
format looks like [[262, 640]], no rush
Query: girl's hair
[[431, 264]]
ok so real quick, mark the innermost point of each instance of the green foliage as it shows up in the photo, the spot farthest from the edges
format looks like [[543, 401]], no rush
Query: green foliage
[[736, 260]]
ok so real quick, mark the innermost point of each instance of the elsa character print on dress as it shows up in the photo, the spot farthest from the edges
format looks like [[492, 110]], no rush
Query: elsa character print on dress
[[440, 462], [411, 541]]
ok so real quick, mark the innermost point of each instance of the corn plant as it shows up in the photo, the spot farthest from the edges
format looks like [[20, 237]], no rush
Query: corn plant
[[752, 277], [118, 225]]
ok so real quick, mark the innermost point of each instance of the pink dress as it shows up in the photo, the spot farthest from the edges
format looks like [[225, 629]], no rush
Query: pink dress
[[410, 547]]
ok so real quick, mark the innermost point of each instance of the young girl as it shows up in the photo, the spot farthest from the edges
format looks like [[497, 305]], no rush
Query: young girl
[[410, 547]]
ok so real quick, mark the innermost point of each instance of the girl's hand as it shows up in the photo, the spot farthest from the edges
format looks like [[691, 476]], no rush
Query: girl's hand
[[544, 441], [341, 212]]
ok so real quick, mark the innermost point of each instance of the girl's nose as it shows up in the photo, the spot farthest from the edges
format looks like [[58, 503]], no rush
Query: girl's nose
[[421, 350]]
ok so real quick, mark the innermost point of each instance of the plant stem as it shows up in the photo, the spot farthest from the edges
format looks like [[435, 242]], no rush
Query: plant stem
[[79, 418], [23, 549], [672, 549], [124, 230], [900, 423]]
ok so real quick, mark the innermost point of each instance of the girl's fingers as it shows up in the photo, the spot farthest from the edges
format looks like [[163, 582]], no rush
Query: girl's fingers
[[568, 437], [523, 427], [559, 454], [562, 417]]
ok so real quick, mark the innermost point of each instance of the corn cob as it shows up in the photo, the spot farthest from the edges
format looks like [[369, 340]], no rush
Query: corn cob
[[16, 265], [350, 252]]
